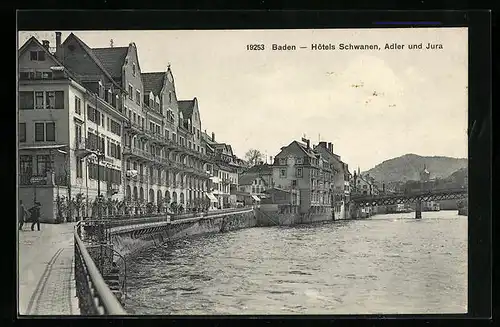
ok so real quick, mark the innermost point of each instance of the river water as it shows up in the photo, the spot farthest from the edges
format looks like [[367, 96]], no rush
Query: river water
[[386, 264]]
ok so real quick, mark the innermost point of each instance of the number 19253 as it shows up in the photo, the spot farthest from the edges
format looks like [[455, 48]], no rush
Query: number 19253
[[255, 47]]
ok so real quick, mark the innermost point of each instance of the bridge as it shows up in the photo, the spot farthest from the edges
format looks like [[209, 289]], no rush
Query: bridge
[[412, 197]]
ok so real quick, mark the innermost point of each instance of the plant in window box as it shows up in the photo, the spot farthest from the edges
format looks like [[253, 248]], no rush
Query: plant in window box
[[173, 207], [78, 205]]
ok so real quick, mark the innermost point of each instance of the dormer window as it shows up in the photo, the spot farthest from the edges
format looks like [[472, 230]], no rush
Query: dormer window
[[110, 96], [101, 89]]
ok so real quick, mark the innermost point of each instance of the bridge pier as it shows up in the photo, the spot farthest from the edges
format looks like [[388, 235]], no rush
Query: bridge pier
[[418, 209]]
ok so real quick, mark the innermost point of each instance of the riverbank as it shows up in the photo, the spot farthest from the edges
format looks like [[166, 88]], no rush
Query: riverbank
[[128, 240]]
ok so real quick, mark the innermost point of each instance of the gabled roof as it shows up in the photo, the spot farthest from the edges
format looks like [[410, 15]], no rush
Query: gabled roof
[[112, 59], [248, 178], [47, 52], [186, 107], [264, 169], [153, 82], [94, 58]]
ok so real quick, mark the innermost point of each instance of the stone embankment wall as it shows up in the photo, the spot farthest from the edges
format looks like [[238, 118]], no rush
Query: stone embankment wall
[[128, 240], [273, 218]]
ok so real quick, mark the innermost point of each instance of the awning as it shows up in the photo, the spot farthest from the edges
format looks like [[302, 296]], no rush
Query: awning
[[43, 147], [255, 197], [211, 197]]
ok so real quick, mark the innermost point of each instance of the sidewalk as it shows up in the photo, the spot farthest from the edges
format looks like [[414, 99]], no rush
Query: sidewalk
[[46, 271]]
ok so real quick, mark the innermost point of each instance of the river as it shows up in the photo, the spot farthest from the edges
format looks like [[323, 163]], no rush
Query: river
[[386, 264]]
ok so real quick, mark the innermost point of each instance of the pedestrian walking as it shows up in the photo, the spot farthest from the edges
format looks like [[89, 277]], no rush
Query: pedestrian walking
[[35, 216], [23, 214]]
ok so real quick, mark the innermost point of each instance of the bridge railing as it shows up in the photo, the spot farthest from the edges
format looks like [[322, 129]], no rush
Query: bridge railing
[[399, 194], [94, 295]]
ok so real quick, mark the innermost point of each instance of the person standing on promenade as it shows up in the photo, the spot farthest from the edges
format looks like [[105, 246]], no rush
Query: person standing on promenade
[[35, 216], [23, 214]]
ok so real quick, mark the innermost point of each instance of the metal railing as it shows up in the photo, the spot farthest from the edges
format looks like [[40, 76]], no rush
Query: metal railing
[[118, 221], [94, 295]]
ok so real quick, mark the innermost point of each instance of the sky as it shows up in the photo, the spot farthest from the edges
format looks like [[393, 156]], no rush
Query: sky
[[407, 101]]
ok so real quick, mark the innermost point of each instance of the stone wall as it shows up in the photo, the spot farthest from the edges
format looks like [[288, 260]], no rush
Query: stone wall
[[128, 241], [273, 218]]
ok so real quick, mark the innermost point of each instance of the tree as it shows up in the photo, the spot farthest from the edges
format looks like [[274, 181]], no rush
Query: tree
[[253, 157]]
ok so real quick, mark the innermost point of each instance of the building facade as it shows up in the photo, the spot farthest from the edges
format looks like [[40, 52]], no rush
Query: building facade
[[341, 179], [299, 166], [90, 114]]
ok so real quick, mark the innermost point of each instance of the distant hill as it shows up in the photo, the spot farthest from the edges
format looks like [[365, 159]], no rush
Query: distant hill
[[408, 167]]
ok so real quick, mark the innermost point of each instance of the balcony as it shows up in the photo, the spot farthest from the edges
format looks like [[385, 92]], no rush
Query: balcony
[[133, 127], [48, 179], [86, 146], [129, 151], [156, 137]]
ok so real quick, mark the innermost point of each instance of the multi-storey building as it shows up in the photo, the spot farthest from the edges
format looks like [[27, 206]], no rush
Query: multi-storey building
[[69, 125], [224, 171], [256, 179], [83, 108], [299, 166], [341, 178]]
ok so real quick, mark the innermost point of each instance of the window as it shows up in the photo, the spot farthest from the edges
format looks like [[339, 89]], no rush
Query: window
[[130, 92], [26, 100], [299, 172], [43, 164], [26, 165], [282, 161], [45, 132], [94, 115], [299, 161], [39, 132], [79, 168], [50, 132], [133, 69], [37, 55], [138, 97], [78, 105], [22, 132], [54, 99], [169, 97], [282, 173], [108, 124], [115, 127], [38, 100], [78, 134]]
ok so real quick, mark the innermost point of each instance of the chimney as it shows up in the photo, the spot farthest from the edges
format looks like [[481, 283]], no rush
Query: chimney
[[46, 44], [330, 147], [58, 45], [308, 142], [213, 137], [271, 160]]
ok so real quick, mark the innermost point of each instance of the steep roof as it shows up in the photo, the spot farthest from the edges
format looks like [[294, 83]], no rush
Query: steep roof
[[94, 58], [248, 178], [264, 169], [47, 52], [186, 107], [153, 82], [112, 59]]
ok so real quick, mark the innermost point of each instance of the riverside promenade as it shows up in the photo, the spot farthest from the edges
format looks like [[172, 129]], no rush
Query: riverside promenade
[[46, 281]]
